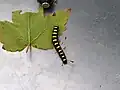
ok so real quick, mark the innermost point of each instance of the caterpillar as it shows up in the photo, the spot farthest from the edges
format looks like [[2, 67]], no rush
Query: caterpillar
[[56, 44], [47, 3]]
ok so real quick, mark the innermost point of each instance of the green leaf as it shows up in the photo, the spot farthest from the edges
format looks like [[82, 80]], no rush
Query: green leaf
[[31, 29]]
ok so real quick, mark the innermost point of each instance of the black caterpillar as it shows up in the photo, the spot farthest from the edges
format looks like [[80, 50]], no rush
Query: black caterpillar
[[55, 42]]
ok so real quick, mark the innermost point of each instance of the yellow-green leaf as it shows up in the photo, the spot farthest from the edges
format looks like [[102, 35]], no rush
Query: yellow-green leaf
[[31, 29]]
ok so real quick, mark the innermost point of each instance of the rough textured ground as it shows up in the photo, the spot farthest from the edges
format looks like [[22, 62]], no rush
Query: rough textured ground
[[93, 41]]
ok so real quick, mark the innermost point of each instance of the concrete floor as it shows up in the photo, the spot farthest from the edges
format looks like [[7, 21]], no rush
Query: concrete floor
[[93, 42]]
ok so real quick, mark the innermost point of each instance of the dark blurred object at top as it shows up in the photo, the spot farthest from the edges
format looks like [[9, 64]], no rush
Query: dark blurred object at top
[[48, 5]]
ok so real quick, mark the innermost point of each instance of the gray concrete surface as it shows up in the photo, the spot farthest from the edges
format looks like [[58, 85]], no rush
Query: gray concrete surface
[[93, 42]]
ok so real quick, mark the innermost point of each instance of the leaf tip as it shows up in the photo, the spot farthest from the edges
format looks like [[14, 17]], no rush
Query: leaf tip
[[68, 10]]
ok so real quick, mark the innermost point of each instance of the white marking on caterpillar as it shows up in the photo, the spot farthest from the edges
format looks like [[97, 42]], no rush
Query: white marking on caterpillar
[[54, 33], [55, 27], [60, 50], [54, 36], [63, 56], [58, 47], [54, 40], [64, 59], [56, 43], [55, 30]]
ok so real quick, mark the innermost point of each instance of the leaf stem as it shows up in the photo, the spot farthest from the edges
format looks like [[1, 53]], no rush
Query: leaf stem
[[27, 48]]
